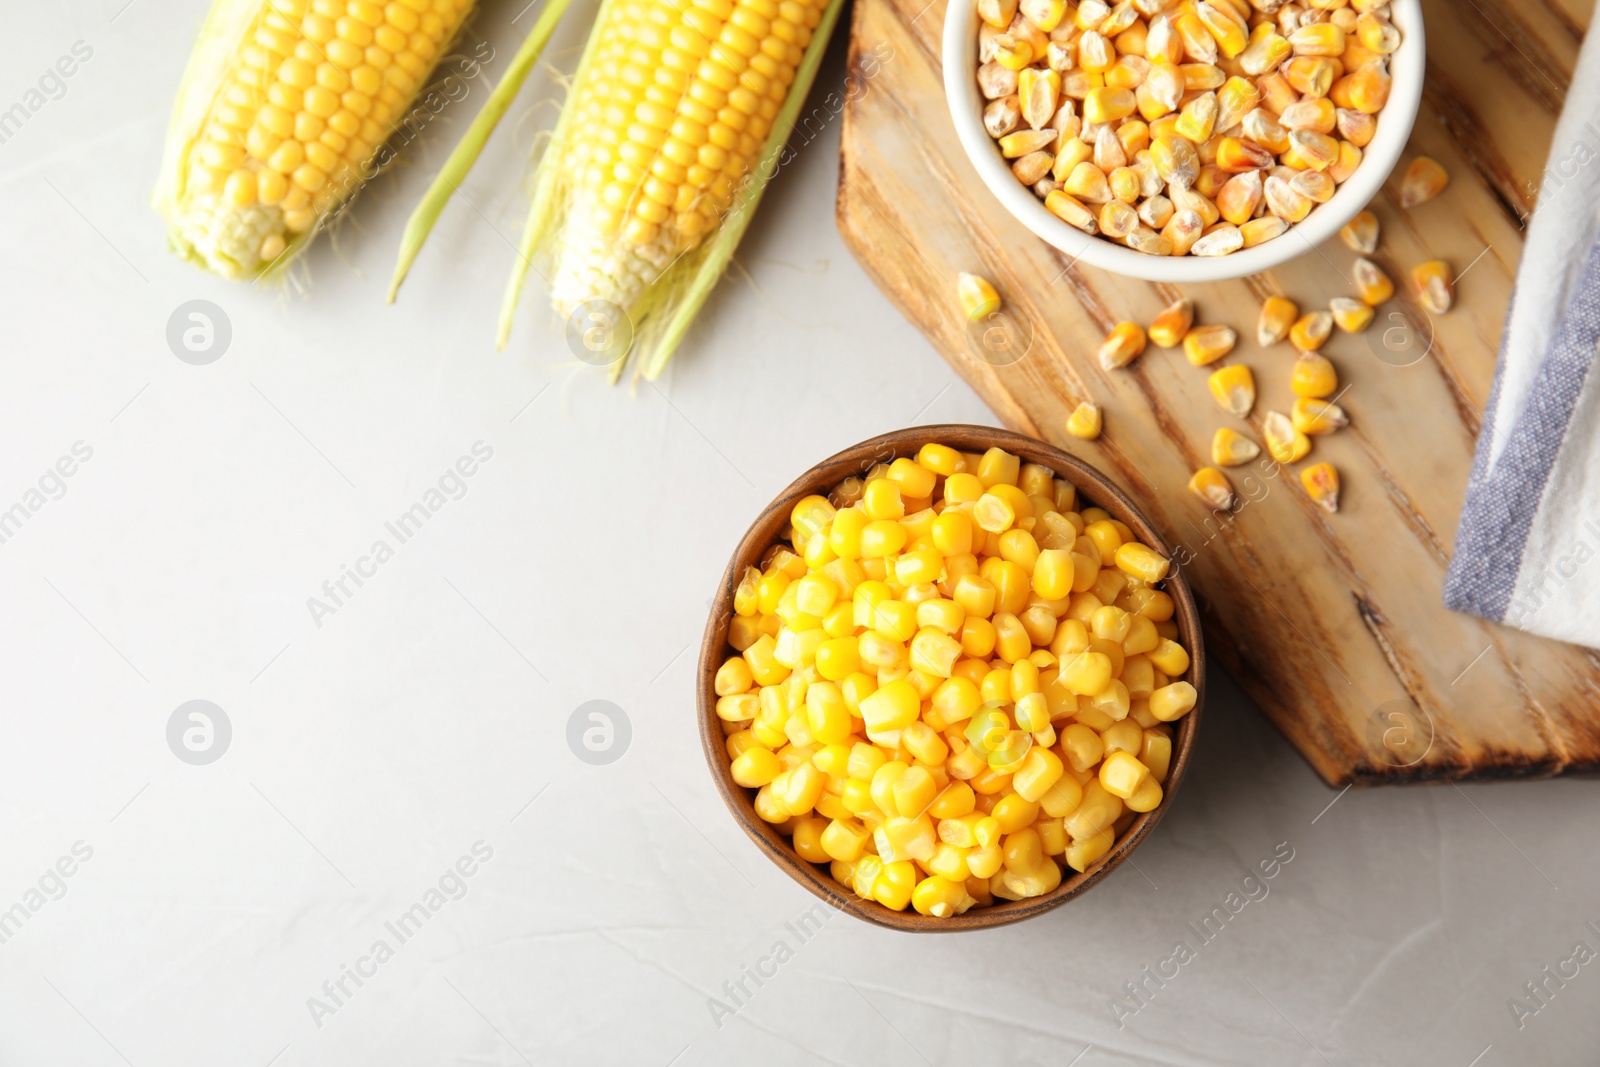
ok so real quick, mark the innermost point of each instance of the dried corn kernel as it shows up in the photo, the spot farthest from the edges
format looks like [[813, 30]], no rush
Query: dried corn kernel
[[1361, 233], [978, 297], [1085, 421], [1169, 327], [1230, 448], [1434, 283], [1351, 316], [1424, 179], [1234, 388], [1284, 443], [1321, 482], [1372, 284], [1314, 417], [1213, 488], [1206, 344], [1313, 375], [1122, 345], [1310, 331], [1278, 314]]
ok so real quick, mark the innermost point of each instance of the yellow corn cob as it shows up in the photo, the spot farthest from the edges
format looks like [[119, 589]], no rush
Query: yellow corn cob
[[674, 122], [281, 110]]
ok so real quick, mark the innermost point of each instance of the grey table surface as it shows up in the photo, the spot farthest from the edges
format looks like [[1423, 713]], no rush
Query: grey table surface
[[417, 726]]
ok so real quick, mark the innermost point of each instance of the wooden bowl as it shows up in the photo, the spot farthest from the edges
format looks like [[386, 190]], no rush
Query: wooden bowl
[[1093, 487]]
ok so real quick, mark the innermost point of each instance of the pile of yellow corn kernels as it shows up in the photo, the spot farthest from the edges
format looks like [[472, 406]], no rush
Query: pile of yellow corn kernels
[[952, 680], [1183, 127]]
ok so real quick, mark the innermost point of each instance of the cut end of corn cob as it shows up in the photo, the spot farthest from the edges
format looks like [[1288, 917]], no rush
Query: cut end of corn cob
[[281, 111]]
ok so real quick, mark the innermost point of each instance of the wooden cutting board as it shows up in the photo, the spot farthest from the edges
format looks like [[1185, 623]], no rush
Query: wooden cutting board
[[1333, 623]]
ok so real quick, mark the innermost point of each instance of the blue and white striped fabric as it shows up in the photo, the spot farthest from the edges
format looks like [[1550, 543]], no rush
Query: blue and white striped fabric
[[1527, 552]]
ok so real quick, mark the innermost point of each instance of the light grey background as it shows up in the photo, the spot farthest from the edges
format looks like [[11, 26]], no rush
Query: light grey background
[[369, 754]]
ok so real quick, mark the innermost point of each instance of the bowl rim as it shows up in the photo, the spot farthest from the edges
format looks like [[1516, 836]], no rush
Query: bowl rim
[[764, 531], [959, 55]]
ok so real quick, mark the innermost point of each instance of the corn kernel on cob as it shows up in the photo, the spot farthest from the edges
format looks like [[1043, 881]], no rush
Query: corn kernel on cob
[[281, 111]]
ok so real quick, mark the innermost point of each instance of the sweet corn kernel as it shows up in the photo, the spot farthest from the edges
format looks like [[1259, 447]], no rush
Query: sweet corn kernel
[[1321, 482], [933, 713], [1234, 389]]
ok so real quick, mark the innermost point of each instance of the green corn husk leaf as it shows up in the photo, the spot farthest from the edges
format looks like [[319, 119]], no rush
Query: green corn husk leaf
[[663, 313], [200, 227], [467, 150]]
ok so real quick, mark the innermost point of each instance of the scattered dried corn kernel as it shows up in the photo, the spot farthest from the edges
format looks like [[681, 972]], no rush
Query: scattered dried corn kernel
[[1313, 375], [1284, 443], [1372, 284], [1321, 482], [1234, 388], [1350, 315], [1169, 327], [1085, 421], [1424, 179], [1434, 283], [1212, 487], [1122, 345], [978, 297], [1278, 314], [1207, 344], [962, 737], [1310, 331], [1229, 448], [1312, 416], [1361, 233]]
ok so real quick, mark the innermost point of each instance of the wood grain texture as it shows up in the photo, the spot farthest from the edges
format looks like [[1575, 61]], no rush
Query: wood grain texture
[[1334, 624]]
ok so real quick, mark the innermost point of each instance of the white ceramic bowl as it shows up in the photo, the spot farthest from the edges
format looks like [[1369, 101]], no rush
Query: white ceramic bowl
[[960, 55]]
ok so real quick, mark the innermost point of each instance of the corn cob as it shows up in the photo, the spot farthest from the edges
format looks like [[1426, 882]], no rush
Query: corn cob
[[281, 111], [672, 128]]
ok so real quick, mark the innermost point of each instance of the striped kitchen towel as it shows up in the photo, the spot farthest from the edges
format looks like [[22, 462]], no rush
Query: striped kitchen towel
[[1527, 552]]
